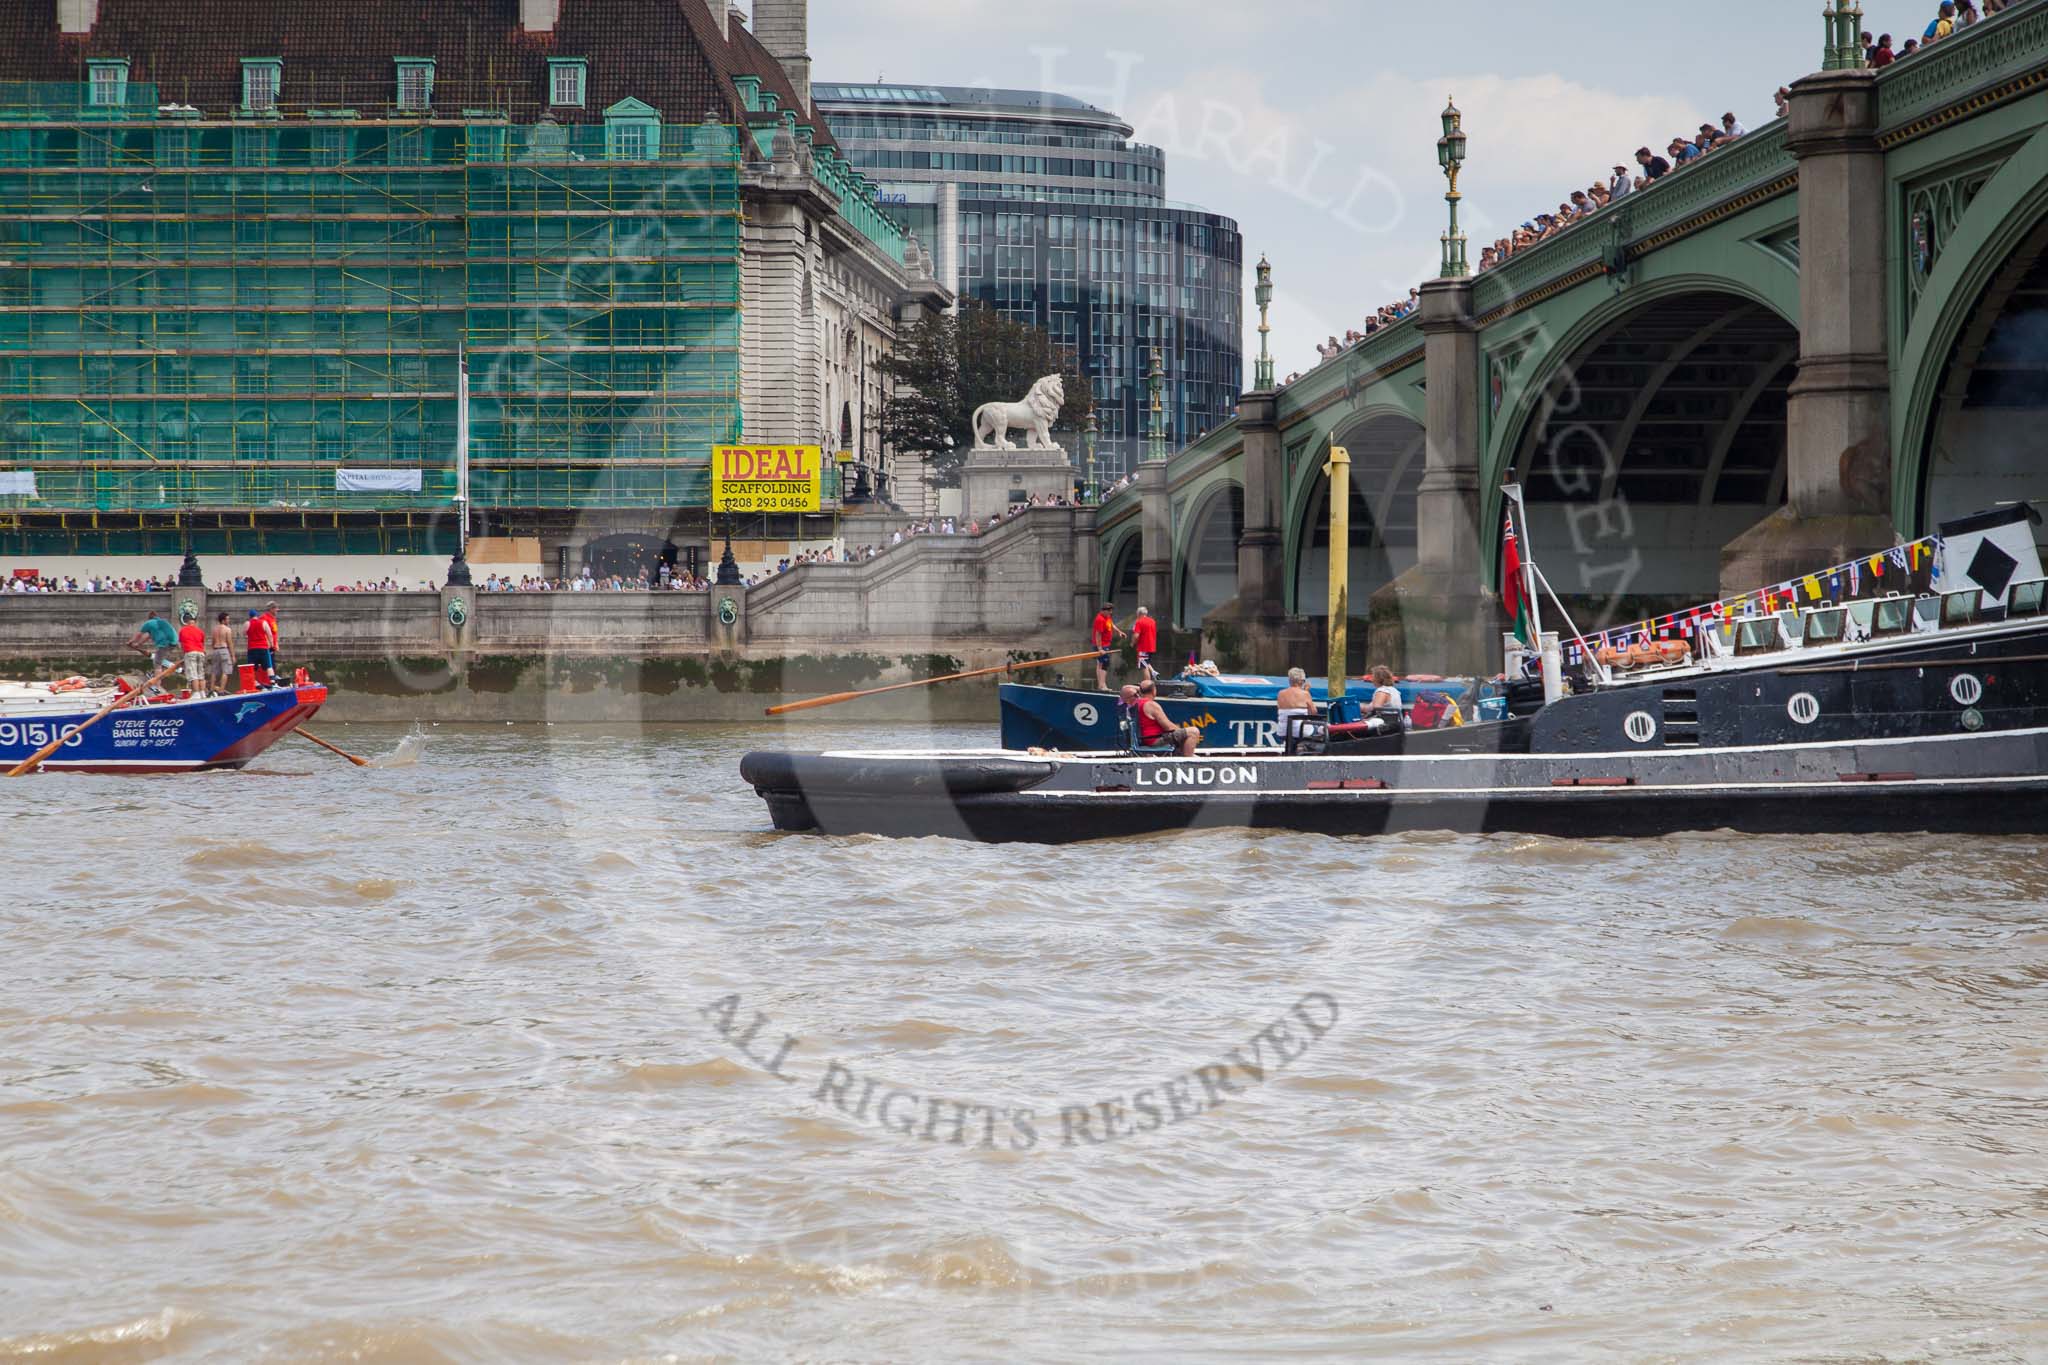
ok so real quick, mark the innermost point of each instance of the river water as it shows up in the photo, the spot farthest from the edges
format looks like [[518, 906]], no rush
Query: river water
[[535, 1045]]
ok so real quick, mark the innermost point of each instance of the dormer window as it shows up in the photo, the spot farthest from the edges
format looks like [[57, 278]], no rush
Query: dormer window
[[415, 84], [565, 81], [109, 82], [261, 77], [632, 131]]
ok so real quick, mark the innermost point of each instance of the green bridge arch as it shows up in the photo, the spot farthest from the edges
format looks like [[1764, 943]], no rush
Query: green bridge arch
[[1686, 302]]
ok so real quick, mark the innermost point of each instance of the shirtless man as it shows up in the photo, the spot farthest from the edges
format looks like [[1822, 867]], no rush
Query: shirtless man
[[220, 656], [1294, 703]]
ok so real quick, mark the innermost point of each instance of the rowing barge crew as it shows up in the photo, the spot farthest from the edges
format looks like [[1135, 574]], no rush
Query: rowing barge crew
[[1894, 714], [161, 733]]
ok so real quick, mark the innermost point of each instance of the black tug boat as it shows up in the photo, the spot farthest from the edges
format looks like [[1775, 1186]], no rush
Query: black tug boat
[[1905, 712]]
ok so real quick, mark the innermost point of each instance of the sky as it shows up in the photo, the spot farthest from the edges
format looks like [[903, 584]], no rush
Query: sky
[[1313, 123]]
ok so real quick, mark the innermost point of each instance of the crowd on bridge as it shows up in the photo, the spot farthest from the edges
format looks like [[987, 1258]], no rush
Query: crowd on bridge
[[1951, 17], [32, 582]]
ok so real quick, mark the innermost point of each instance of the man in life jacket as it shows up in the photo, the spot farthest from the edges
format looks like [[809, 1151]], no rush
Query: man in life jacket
[[1155, 729], [261, 655]]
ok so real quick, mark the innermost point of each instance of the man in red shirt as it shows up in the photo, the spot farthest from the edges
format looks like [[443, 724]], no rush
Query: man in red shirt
[[1104, 633], [261, 656], [192, 642], [276, 636], [1145, 635]]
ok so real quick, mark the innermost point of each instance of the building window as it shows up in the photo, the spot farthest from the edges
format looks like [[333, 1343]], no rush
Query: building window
[[632, 131], [261, 77], [415, 84], [565, 81], [109, 88], [629, 142], [330, 146]]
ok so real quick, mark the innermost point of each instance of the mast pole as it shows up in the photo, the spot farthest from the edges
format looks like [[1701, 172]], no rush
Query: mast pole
[[1552, 665], [1339, 471]]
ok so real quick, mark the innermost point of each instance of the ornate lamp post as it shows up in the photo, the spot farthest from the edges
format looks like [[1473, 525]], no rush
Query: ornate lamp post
[[1088, 457], [1845, 35], [1262, 373], [1450, 154], [1156, 446], [728, 567], [189, 575]]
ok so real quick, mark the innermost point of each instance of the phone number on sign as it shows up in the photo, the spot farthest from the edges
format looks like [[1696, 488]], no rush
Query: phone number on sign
[[11, 733], [767, 498]]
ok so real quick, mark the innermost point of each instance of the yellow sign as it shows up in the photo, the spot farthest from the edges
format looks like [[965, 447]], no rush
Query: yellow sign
[[767, 478]]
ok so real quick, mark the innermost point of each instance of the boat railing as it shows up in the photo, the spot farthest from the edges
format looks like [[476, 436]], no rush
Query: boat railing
[[1834, 626]]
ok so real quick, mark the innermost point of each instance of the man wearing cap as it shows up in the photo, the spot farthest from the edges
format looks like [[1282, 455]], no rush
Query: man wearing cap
[[270, 615], [1621, 184], [262, 657], [1104, 633]]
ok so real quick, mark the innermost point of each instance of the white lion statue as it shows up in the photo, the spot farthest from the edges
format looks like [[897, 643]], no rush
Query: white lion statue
[[993, 422]]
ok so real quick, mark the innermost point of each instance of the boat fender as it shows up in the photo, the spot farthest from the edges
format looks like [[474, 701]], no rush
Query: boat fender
[[74, 683]]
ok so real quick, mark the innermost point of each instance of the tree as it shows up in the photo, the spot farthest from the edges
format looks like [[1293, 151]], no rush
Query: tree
[[946, 367]]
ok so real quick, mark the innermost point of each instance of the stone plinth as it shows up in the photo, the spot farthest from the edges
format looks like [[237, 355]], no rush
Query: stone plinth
[[993, 479]]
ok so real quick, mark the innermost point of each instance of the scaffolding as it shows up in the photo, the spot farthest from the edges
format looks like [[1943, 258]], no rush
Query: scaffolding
[[212, 315]]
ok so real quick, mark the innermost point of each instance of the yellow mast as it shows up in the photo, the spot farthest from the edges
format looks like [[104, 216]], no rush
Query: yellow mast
[[1339, 470]]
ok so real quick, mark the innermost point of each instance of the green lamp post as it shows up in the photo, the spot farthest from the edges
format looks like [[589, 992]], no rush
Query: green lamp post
[[1450, 154], [1262, 374], [1156, 446], [1844, 50], [1088, 490]]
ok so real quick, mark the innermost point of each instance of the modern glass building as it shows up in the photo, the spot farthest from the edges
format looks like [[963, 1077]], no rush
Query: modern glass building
[[1041, 205]]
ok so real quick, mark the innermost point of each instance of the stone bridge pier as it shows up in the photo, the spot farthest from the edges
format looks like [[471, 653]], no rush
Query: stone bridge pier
[[1838, 424], [1438, 616]]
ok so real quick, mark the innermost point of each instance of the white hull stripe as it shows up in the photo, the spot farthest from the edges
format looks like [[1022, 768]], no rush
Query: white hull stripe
[[1387, 793], [1273, 756], [1588, 793]]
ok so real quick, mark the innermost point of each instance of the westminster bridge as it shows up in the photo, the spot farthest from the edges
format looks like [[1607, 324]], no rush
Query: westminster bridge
[[1828, 335]]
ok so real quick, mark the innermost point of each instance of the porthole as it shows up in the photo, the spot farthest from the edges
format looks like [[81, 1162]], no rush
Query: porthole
[[1640, 726], [1804, 708], [1967, 689]]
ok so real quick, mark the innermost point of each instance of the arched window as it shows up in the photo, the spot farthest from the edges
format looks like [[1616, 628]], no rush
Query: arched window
[[252, 436], [328, 441]]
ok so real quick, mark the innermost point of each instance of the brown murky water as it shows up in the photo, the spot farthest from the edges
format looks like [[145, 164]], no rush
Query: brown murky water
[[539, 1048]]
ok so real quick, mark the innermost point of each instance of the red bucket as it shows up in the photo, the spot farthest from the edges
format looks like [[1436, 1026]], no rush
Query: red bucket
[[248, 677]]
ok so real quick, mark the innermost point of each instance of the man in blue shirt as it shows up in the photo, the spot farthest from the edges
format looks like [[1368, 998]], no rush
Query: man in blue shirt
[[157, 638]]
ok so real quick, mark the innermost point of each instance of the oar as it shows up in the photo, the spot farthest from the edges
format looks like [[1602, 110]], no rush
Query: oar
[[35, 760], [307, 734], [838, 697]]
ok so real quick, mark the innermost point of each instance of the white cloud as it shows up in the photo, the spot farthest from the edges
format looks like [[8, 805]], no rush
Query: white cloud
[[1310, 124]]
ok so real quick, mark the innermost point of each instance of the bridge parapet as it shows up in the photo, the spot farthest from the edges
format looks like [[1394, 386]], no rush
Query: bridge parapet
[[1993, 60]]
